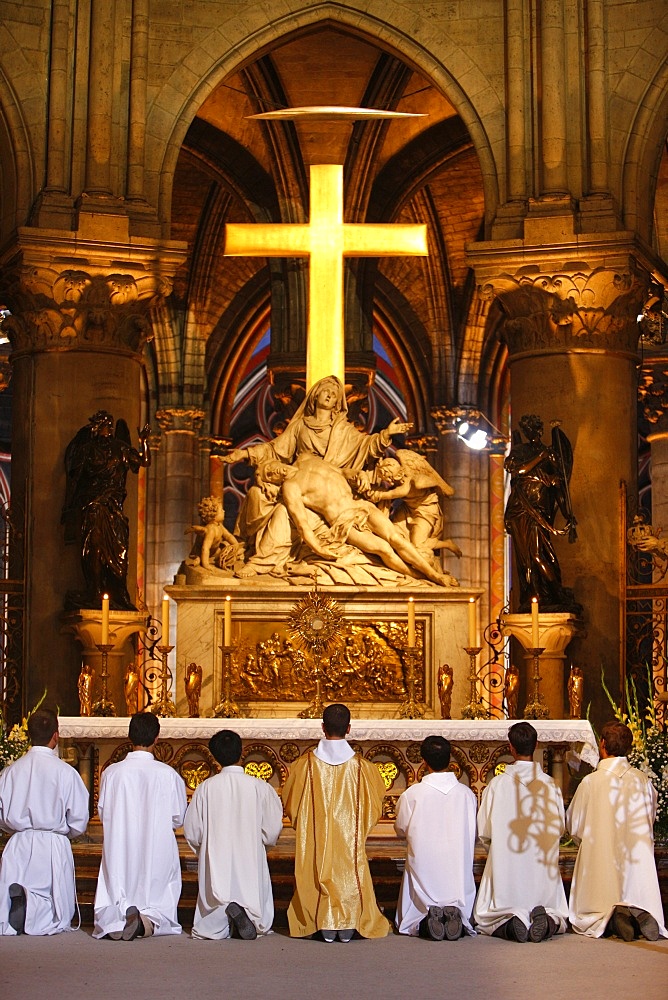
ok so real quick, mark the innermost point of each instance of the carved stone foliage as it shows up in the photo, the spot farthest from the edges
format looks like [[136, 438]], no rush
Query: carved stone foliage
[[653, 393], [587, 309], [76, 309], [179, 418]]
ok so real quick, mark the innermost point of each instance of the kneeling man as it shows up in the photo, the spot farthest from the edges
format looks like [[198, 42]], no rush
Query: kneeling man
[[437, 817], [142, 801], [43, 803], [615, 887], [521, 819], [230, 822]]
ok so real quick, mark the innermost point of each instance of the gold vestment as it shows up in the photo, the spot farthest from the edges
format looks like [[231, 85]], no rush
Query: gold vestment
[[333, 808]]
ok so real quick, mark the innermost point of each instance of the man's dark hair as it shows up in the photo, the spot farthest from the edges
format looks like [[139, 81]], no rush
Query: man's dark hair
[[336, 719], [42, 724], [435, 751], [144, 729], [617, 737], [226, 747], [523, 738]]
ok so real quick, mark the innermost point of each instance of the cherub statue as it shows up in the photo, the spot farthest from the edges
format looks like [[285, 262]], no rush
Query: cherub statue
[[444, 682], [85, 688], [215, 548], [512, 689], [575, 692], [410, 478], [193, 684], [131, 689]]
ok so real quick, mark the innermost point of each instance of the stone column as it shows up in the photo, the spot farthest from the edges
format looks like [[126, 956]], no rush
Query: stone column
[[178, 485], [553, 99], [571, 333], [77, 336]]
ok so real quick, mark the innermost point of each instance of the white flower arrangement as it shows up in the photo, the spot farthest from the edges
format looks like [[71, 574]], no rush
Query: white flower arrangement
[[650, 747], [16, 742]]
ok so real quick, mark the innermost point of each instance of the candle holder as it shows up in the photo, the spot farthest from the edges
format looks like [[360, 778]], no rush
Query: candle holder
[[536, 708], [104, 706], [410, 708], [317, 706], [164, 707], [475, 708], [227, 708]]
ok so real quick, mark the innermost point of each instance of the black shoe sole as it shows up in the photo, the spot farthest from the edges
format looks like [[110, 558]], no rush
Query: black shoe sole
[[246, 929]]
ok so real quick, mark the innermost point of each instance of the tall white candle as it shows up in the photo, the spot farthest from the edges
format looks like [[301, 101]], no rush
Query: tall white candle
[[165, 620], [105, 620], [535, 635], [227, 624], [411, 621], [473, 623]]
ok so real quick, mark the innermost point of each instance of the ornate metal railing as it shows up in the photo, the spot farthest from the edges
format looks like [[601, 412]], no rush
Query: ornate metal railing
[[12, 602], [645, 612]]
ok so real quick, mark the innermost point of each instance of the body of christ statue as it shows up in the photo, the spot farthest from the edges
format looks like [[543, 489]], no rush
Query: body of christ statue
[[330, 454]]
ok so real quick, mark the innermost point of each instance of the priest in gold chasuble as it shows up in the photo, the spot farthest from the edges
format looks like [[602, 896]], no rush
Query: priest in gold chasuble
[[333, 798]]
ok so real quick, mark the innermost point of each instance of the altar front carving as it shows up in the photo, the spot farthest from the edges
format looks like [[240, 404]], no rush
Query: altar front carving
[[271, 746]]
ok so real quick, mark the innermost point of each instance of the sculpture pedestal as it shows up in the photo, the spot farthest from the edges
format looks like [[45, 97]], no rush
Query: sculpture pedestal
[[272, 677], [556, 632], [86, 626]]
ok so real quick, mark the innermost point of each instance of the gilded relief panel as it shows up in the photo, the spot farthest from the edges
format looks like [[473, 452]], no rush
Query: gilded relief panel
[[366, 666]]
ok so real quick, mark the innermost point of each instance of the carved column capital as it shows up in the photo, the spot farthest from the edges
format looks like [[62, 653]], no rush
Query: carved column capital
[[566, 310], [582, 296], [180, 419], [68, 294]]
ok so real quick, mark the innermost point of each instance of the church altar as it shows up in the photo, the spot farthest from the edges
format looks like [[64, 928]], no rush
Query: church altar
[[272, 745]]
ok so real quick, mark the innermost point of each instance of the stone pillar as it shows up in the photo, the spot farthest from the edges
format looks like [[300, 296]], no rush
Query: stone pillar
[[100, 97], [77, 336], [571, 333], [553, 99], [178, 484]]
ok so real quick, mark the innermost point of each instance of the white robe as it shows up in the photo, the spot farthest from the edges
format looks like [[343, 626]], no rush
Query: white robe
[[230, 821], [438, 819], [142, 801], [43, 802], [521, 817], [612, 815]]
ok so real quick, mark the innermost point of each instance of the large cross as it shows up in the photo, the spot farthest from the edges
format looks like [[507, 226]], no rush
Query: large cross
[[326, 239]]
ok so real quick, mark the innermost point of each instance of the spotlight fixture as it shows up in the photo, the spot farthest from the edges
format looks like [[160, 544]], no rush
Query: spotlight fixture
[[477, 432]]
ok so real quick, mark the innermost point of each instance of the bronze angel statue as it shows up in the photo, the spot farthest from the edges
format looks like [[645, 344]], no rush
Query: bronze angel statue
[[97, 462], [539, 490]]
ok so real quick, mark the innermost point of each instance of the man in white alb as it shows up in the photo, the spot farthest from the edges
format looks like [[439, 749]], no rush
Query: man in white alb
[[521, 819], [615, 887], [142, 801], [43, 803], [230, 822], [438, 818]]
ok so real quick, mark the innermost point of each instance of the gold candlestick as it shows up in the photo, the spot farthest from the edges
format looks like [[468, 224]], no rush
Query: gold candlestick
[[475, 708], [536, 708], [410, 708], [227, 708], [164, 706], [103, 705], [317, 706]]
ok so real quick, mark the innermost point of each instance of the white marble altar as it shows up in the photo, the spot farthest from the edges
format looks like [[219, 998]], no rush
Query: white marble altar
[[271, 745]]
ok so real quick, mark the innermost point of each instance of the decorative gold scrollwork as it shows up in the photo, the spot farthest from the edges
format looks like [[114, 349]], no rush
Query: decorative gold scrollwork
[[388, 771], [259, 769], [194, 772]]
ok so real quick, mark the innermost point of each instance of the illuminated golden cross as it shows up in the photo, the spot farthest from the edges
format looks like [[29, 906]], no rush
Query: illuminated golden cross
[[326, 239]]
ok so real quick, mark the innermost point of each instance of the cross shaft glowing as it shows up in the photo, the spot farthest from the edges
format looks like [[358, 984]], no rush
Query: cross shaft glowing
[[326, 239]]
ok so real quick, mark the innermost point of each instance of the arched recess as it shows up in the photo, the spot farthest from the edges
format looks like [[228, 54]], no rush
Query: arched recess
[[643, 156], [239, 48], [17, 189]]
